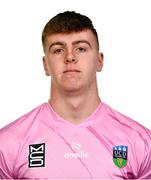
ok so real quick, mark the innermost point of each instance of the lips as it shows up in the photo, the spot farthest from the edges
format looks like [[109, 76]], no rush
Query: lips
[[71, 70]]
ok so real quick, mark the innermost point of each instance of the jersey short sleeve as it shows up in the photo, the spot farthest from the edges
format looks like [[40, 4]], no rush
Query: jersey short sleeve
[[12, 139], [8, 153], [143, 154]]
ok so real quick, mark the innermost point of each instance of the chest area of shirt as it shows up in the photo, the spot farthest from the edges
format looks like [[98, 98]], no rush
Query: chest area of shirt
[[73, 157]]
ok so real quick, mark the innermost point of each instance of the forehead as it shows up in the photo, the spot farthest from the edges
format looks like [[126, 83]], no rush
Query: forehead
[[72, 37]]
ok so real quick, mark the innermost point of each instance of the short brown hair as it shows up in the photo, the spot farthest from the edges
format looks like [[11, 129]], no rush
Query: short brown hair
[[67, 22]]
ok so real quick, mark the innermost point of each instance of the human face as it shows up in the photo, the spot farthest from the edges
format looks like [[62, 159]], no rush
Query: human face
[[72, 60]]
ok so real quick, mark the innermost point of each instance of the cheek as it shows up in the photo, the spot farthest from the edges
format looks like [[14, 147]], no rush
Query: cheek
[[90, 72], [55, 69], [91, 65], [54, 63]]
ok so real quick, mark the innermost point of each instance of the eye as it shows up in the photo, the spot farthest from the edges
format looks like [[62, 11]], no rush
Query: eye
[[58, 51], [81, 49]]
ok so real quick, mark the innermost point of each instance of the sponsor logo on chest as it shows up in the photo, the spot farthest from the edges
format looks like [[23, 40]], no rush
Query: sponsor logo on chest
[[36, 156]]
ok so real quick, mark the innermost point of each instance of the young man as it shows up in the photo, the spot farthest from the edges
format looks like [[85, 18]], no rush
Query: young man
[[74, 135]]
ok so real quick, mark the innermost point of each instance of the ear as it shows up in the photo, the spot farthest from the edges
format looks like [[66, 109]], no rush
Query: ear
[[100, 62], [45, 65]]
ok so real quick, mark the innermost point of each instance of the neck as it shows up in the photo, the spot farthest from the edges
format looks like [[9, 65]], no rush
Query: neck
[[74, 107]]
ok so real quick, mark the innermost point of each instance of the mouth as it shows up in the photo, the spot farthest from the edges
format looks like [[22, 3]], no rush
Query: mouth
[[71, 71]]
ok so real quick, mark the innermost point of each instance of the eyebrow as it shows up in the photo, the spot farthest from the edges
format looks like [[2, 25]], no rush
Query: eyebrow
[[56, 43], [82, 41], [74, 43]]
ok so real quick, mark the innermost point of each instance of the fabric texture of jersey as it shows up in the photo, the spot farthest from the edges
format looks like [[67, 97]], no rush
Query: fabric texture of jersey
[[106, 145]]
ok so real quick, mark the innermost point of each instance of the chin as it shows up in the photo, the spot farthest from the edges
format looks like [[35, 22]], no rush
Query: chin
[[72, 89]]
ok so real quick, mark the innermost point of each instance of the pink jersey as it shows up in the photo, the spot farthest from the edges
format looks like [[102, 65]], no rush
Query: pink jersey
[[106, 145]]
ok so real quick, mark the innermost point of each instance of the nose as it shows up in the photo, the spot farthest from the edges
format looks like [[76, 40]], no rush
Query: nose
[[70, 58]]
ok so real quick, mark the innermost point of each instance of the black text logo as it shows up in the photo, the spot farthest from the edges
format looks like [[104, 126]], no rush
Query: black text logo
[[36, 155]]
